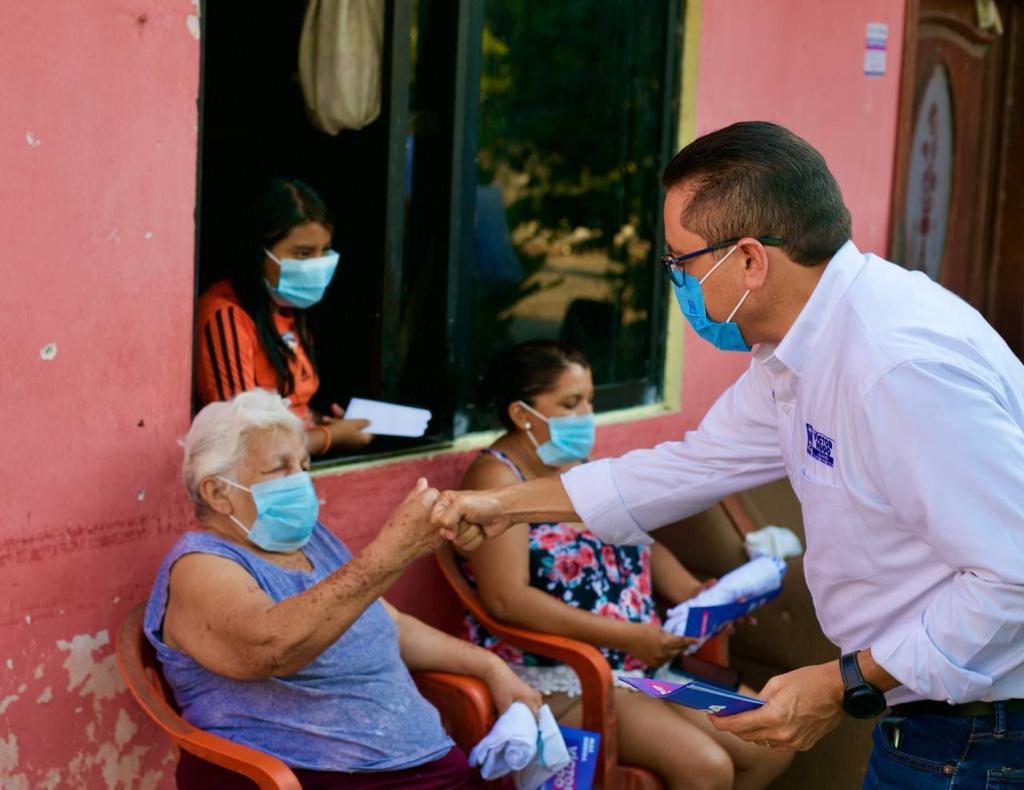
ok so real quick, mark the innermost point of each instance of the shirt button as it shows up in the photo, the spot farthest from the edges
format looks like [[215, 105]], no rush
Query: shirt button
[[786, 409]]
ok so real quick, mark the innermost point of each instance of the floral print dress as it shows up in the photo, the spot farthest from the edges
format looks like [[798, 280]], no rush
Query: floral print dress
[[579, 569]]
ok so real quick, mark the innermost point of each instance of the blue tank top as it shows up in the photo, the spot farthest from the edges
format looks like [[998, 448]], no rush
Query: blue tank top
[[355, 707]]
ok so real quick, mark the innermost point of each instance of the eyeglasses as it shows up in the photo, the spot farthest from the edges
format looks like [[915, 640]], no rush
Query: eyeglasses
[[673, 263]]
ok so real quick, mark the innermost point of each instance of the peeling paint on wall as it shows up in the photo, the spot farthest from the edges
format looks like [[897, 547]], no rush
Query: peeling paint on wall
[[192, 21], [8, 754], [98, 678], [74, 536], [124, 729], [118, 762]]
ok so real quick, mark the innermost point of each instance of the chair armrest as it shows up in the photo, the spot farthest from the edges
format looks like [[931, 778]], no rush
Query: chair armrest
[[586, 661], [464, 702], [145, 685], [267, 771]]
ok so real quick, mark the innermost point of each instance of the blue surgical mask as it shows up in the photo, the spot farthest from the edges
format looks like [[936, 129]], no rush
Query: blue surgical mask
[[286, 511], [572, 438], [302, 283], [722, 334]]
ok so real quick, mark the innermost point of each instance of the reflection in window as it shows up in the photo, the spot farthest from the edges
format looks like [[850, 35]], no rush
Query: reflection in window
[[572, 111]]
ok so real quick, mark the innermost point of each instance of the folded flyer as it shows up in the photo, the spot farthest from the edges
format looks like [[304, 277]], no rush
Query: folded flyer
[[388, 419], [705, 621], [695, 694], [578, 774]]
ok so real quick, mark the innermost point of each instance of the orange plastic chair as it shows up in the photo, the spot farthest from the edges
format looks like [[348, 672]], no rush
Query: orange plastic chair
[[594, 673], [464, 703]]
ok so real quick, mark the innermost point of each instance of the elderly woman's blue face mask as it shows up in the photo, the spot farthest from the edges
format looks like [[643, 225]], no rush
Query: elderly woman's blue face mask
[[286, 512]]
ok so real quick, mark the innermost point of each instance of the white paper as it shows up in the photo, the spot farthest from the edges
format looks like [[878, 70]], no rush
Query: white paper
[[874, 62], [877, 35], [388, 419]]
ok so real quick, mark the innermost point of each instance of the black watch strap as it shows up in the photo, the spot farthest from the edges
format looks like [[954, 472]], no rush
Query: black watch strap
[[850, 670], [860, 699]]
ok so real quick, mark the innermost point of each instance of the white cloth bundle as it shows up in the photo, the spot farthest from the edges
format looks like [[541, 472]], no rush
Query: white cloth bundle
[[509, 746], [773, 541], [533, 747], [552, 754], [756, 577]]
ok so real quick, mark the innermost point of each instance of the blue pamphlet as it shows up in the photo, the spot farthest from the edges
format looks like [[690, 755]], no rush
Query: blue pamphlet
[[578, 774], [695, 694], [705, 621]]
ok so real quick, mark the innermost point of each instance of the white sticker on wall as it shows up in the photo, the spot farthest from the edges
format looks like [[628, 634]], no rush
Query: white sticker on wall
[[877, 35], [874, 62], [875, 45]]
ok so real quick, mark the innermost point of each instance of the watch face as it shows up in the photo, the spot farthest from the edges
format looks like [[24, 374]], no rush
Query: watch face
[[863, 702]]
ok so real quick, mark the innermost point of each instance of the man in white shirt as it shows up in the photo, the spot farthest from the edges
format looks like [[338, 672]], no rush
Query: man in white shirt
[[897, 413]]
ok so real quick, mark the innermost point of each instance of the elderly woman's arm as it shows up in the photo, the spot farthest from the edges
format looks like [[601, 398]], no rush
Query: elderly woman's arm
[[426, 648], [219, 615]]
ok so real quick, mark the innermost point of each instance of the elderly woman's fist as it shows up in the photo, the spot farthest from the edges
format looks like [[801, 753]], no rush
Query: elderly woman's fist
[[409, 532]]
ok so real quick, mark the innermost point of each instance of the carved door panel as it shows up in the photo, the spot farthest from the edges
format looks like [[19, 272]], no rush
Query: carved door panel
[[950, 185]]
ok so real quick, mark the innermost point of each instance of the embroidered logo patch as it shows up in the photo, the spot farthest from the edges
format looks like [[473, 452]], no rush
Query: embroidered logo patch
[[819, 446]]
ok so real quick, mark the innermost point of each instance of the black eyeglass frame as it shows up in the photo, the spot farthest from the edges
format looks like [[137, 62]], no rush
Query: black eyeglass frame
[[678, 276]]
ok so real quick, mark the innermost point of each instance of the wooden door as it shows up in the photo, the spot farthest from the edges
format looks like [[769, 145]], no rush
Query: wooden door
[[953, 195]]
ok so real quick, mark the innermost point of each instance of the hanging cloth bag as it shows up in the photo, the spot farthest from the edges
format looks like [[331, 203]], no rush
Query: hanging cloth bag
[[340, 62]]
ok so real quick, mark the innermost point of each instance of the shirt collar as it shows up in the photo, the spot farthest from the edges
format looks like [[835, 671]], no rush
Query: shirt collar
[[802, 338]]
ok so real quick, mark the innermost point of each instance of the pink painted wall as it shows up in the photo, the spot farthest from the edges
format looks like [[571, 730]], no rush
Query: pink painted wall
[[98, 160], [800, 63], [98, 155]]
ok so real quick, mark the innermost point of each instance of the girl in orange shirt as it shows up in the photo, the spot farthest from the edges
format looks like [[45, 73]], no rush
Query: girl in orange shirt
[[251, 327]]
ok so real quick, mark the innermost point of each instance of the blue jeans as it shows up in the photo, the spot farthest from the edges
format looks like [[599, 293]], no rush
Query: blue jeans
[[931, 752]]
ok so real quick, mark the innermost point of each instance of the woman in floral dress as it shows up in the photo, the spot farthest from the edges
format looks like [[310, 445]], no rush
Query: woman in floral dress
[[561, 579]]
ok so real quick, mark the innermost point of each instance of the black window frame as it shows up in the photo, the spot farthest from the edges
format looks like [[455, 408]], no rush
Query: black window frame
[[464, 104], [457, 61]]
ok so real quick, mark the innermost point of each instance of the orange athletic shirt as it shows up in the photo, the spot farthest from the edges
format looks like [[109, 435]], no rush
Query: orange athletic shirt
[[230, 359]]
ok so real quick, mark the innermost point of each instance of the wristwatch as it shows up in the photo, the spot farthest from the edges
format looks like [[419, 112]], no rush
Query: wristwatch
[[860, 699]]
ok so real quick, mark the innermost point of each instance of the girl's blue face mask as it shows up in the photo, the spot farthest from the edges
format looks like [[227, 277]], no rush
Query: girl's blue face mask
[[572, 438], [722, 334], [302, 283], [286, 512]]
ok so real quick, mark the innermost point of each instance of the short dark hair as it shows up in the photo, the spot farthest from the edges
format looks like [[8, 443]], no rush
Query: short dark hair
[[526, 370], [757, 178]]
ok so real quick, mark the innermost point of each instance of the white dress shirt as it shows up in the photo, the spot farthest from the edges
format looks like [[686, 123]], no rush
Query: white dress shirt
[[897, 413]]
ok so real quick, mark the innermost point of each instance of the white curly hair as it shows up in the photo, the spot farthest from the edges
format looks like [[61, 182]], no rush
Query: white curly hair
[[217, 440]]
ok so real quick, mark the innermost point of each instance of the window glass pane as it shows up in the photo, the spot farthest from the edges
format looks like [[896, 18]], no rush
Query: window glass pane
[[571, 111]]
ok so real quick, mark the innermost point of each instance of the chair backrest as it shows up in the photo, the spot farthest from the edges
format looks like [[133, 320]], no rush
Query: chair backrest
[[141, 671]]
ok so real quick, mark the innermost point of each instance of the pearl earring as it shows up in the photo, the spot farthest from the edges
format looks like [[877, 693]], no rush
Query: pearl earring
[[527, 425]]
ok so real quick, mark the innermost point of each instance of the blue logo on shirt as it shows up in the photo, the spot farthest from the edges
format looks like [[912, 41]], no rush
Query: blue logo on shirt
[[819, 446]]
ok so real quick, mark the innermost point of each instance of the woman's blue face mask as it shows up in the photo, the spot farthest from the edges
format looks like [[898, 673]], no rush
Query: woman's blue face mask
[[302, 282], [572, 437], [286, 512], [722, 334]]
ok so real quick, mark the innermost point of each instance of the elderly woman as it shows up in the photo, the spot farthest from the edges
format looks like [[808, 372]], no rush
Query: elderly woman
[[272, 634]]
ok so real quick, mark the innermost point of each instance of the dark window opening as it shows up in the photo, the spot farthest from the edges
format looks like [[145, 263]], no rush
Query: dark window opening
[[508, 190]]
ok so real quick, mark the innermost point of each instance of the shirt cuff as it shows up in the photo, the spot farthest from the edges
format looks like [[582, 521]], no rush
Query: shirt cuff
[[908, 654], [595, 497]]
